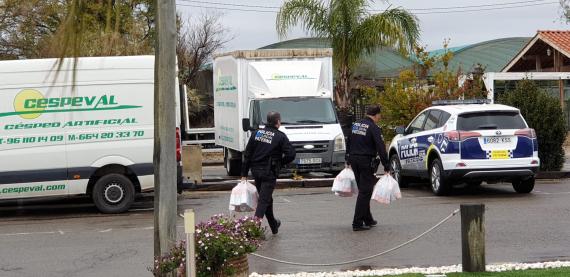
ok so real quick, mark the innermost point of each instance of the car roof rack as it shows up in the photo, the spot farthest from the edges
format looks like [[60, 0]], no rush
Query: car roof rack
[[460, 102]]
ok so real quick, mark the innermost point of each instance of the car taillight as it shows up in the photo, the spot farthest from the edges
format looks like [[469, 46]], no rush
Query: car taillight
[[460, 135], [178, 145], [528, 132]]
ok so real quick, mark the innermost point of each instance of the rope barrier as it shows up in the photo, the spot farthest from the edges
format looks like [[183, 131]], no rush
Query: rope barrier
[[366, 258]]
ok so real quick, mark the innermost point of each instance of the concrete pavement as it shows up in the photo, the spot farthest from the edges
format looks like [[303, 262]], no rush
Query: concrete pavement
[[70, 238]]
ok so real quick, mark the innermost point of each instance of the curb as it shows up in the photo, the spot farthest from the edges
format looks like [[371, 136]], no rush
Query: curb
[[552, 175], [226, 185]]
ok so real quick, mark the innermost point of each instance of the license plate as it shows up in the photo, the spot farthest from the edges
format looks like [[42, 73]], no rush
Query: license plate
[[499, 154], [310, 161], [496, 140]]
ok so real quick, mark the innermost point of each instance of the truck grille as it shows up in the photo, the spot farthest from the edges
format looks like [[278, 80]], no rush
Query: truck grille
[[318, 146]]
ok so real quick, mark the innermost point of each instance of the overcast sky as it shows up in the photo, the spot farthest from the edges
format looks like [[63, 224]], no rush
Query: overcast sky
[[494, 19]]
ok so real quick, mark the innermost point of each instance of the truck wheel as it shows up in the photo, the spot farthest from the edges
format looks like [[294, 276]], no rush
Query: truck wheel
[[524, 186], [396, 168], [439, 186], [232, 165], [113, 193]]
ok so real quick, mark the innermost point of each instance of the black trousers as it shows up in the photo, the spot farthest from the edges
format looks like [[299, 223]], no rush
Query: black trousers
[[265, 184], [364, 173]]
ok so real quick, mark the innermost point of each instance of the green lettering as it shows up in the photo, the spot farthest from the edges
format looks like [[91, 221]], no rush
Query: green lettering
[[9, 127], [112, 100], [90, 100], [66, 101], [53, 102], [30, 103], [77, 101], [42, 103]]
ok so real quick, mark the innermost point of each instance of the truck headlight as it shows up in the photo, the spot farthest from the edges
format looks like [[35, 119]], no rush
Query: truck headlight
[[339, 144]]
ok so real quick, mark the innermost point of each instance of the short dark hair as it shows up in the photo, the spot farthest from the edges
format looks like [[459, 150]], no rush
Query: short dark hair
[[273, 118], [373, 110]]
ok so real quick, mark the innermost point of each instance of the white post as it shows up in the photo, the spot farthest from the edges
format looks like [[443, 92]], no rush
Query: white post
[[190, 247]]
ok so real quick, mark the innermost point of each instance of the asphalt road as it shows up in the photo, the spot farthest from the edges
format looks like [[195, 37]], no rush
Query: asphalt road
[[70, 238]]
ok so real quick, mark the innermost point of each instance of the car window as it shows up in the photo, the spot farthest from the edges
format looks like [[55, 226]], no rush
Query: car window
[[432, 120], [418, 124], [490, 121], [443, 119]]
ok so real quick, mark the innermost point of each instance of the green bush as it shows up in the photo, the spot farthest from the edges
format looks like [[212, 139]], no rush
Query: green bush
[[544, 114]]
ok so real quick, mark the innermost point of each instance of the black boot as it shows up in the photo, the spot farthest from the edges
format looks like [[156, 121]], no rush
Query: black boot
[[275, 228]]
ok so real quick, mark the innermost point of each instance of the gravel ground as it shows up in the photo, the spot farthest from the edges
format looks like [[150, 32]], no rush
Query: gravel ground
[[421, 270]]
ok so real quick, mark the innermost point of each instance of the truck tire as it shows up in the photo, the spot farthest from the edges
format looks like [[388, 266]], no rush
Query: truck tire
[[231, 163], [396, 168], [439, 186], [524, 186], [113, 193]]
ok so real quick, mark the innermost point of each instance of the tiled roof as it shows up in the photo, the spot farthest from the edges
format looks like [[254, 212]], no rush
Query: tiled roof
[[558, 39]]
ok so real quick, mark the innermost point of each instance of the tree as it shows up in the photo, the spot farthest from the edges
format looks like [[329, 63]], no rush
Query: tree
[[198, 40], [565, 6], [414, 90], [36, 28], [543, 113], [352, 30]]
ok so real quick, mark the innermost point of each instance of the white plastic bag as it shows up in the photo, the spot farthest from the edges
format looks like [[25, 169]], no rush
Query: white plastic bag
[[386, 190], [344, 183], [244, 197]]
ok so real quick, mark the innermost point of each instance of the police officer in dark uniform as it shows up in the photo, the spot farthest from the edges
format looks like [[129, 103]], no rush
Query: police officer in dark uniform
[[266, 151], [366, 145]]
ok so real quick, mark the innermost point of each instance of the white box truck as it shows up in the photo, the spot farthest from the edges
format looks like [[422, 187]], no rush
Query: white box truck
[[95, 138], [298, 83]]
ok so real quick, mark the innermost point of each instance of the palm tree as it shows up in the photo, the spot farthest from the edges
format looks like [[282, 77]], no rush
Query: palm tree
[[352, 31]]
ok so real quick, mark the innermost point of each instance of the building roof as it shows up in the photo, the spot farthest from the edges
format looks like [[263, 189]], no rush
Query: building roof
[[559, 40], [493, 55], [382, 63]]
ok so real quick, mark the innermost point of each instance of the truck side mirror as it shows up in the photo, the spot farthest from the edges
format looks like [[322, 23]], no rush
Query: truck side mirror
[[400, 130], [246, 125]]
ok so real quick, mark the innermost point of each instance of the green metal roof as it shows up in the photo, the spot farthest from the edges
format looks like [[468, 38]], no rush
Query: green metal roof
[[493, 54], [299, 43], [384, 62]]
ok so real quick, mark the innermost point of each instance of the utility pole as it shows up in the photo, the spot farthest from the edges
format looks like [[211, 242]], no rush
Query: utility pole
[[165, 206]]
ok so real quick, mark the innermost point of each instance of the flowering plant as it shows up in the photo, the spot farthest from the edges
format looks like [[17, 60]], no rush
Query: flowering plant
[[222, 238], [218, 240], [174, 260]]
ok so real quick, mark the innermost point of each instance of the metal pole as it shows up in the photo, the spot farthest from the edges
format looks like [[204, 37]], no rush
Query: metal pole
[[473, 237], [164, 128], [190, 247]]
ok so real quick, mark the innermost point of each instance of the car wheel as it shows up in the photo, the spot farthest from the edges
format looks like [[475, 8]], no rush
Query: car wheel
[[438, 184], [524, 186], [113, 193], [396, 168]]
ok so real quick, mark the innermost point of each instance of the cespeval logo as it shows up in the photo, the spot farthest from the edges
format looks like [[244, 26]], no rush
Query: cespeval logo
[[31, 104]]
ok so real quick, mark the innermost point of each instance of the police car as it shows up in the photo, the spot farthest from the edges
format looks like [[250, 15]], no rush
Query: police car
[[466, 141]]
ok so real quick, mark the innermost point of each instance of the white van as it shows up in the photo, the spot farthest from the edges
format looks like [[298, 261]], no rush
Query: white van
[[95, 138]]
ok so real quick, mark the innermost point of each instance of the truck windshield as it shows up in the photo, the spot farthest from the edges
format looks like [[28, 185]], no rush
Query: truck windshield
[[296, 111]]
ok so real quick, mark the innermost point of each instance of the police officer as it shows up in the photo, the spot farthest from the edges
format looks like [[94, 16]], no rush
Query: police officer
[[365, 145], [266, 150]]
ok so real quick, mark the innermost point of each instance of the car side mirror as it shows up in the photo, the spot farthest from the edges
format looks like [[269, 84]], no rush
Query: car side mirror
[[400, 130]]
